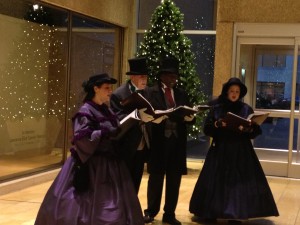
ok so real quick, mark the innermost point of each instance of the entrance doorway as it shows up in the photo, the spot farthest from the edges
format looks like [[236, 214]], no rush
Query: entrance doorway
[[269, 66]]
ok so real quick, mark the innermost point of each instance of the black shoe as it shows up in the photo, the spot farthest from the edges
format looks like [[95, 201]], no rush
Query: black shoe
[[148, 218], [234, 222], [171, 220]]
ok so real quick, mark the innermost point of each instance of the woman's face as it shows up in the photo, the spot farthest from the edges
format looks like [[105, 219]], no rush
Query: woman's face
[[233, 93], [103, 93]]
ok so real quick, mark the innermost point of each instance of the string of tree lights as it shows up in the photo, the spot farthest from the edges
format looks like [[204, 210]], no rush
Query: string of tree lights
[[164, 38], [35, 72]]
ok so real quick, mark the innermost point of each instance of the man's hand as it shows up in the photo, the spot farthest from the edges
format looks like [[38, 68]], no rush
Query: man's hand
[[189, 118], [160, 119], [145, 117]]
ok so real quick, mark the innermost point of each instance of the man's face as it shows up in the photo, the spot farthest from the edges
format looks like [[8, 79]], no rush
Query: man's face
[[140, 81], [169, 79]]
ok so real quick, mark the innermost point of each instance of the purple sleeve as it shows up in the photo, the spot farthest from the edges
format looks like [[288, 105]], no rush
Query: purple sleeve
[[86, 139]]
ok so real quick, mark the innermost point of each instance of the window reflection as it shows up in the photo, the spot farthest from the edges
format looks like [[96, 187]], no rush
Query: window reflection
[[204, 48], [33, 68], [274, 80], [33, 71], [93, 52]]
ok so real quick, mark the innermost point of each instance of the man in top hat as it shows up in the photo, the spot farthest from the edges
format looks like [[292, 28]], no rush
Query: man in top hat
[[135, 143], [168, 144]]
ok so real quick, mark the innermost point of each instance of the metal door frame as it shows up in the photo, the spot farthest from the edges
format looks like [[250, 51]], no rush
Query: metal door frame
[[272, 34]]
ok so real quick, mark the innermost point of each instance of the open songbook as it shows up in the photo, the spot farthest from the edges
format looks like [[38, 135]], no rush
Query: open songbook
[[258, 117], [234, 121], [127, 122], [137, 101]]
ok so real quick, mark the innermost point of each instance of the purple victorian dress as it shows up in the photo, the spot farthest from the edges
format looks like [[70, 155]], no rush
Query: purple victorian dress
[[110, 198]]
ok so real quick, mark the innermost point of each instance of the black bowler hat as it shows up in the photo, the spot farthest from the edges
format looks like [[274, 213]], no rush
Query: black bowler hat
[[138, 66], [169, 65], [97, 80], [101, 78], [234, 81]]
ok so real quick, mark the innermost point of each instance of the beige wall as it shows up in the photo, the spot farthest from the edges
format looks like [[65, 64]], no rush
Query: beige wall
[[245, 11], [119, 12]]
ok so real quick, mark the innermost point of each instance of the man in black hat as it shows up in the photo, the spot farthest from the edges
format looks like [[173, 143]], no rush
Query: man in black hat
[[135, 143], [168, 144]]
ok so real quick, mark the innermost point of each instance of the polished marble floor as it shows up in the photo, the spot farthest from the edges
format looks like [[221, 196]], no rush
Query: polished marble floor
[[20, 208]]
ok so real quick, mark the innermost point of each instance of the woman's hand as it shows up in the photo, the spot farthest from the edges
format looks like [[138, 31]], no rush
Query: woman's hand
[[220, 123], [246, 129]]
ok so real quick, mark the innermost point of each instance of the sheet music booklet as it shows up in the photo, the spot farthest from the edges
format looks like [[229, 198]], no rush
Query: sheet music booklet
[[127, 122], [234, 121], [137, 101]]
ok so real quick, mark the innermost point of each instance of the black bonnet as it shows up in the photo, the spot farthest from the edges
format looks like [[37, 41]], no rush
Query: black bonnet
[[234, 81]]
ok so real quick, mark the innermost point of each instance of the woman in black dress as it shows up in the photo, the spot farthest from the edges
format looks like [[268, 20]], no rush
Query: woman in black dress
[[232, 184]]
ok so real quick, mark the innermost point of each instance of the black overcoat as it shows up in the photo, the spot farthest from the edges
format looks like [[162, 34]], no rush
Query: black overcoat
[[159, 158], [131, 140]]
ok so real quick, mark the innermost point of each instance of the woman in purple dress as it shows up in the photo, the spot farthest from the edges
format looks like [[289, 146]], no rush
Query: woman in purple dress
[[93, 186]]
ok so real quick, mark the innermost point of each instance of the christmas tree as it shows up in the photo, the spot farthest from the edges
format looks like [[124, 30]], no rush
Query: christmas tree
[[165, 39]]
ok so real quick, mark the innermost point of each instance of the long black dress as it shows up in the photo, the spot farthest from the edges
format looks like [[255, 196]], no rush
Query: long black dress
[[232, 184]]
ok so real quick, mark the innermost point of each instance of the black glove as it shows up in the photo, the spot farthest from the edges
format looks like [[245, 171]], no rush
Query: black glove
[[111, 131], [115, 131], [218, 123], [247, 129], [81, 179]]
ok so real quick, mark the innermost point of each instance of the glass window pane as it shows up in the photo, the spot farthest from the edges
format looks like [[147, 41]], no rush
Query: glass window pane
[[275, 134], [33, 67], [198, 14], [273, 143], [274, 78], [203, 46], [93, 52]]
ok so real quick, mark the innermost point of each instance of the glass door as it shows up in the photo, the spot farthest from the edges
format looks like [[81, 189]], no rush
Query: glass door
[[268, 66]]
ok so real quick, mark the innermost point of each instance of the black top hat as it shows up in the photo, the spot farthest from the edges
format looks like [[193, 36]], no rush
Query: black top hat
[[169, 65], [138, 66], [234, 81]]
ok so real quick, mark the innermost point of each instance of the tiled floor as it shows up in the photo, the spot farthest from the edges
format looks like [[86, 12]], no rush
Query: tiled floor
[[20, 208]]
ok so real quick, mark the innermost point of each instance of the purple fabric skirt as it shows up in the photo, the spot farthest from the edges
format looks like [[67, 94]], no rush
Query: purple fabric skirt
[[110, 200]]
